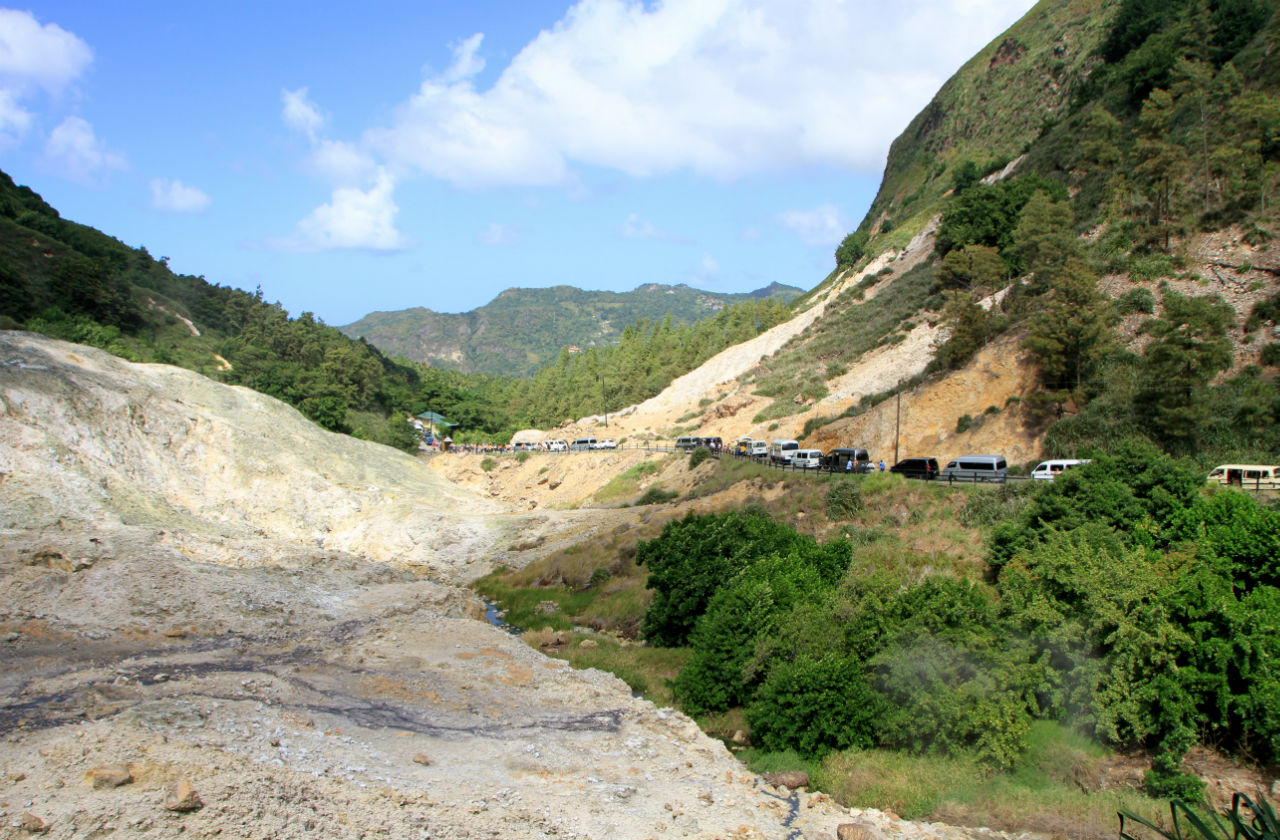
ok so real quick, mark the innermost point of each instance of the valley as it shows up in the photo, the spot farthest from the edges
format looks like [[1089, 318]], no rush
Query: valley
[[242, 596]]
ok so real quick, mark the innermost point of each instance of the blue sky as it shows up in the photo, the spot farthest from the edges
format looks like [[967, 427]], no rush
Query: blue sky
[[349, 158]]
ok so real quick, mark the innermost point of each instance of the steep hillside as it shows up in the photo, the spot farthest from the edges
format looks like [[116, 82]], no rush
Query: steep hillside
[[1073, 201], [523, 329]]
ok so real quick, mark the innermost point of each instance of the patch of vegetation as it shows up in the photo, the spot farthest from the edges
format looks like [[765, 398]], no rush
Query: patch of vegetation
[[698, 455], [656, 495], [1136, 300], [627, 483], [848, 330], [488, 464], [843, 499]]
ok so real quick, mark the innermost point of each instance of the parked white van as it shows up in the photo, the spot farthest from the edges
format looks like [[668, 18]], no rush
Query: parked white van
[[780, 451], [557, 446], [1246, 476], [759, 448], [976, 468], [1049, 470], [806, 459], [583, 444]]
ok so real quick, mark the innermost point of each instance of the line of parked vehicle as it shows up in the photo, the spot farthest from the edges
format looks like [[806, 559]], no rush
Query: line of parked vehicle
[[789, 454], [579, 445]]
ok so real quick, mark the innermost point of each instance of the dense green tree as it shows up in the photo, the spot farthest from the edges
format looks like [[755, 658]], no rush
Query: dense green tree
[[851, 249], [971, 325], [973, 266], [696, 555], [1189, 347], [815, 706], [742, 610]]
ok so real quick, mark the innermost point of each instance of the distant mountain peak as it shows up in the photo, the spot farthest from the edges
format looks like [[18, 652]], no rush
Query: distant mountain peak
[[522, 329]]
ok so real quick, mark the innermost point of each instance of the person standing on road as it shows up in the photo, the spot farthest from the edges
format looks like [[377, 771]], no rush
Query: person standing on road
[[881, 465]]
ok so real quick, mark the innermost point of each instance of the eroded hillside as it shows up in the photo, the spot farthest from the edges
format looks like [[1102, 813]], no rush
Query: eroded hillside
[[208, 602]]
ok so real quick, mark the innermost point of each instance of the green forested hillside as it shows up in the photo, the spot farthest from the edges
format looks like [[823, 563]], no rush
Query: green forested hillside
[[522, 330], [1117, 133], [1123, 600]]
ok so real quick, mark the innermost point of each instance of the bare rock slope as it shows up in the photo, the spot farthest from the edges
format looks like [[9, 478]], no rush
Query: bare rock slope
[[217, 619]]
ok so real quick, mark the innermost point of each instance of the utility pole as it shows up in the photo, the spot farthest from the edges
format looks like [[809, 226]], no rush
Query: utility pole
[[897, 426]]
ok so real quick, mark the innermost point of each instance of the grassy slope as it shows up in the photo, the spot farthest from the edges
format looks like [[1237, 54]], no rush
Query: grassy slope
[[991, 110]]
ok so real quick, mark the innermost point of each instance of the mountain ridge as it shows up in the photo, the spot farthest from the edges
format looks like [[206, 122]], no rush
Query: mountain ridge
[[522, 329]]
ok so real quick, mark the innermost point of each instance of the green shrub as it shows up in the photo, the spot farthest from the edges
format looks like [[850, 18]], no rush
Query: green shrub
[[1270, 355], [655, 495], [843, 499], [1152, 267], [1136, 300], [815, 707], [964, 423], [986, 506], [696, 555], [488, 464], [741, 611], [698, 455], [521, 457]]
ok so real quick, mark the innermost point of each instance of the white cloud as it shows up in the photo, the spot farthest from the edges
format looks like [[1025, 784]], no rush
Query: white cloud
[[716, 87], [176, 197], [14, 119], [823, 225], [340, 163], [637, 228], [498, 234], [300, 113], [466, 63], [33, 58], [47, 56], [354, 218], [76, 153]]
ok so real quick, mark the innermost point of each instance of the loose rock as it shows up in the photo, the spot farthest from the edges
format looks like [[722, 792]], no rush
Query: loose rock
[[34, 824], [109, 776], [182, 797]]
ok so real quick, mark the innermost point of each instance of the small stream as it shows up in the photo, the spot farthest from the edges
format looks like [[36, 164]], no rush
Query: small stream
[[494, 615]]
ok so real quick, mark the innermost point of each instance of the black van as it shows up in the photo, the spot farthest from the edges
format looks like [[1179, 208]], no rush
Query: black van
[[837, 460], [923, 468]]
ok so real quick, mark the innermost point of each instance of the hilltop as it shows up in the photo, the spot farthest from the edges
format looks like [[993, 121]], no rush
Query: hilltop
[[522, 330]]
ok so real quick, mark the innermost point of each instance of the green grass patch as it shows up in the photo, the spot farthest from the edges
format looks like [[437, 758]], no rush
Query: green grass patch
[[627, 484], [520, 603], [646, 670]]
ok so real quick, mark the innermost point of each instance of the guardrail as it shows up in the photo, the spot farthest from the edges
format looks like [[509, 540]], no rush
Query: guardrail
[[765, 460], [1253, 485]]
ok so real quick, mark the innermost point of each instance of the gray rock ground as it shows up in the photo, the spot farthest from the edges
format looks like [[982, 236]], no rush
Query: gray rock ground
[[259, 625]]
